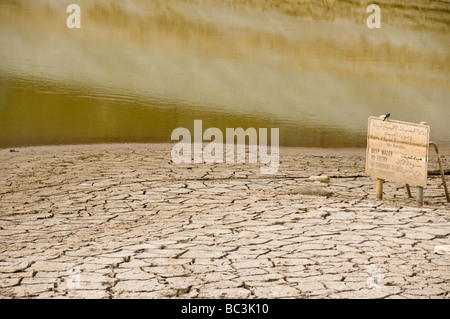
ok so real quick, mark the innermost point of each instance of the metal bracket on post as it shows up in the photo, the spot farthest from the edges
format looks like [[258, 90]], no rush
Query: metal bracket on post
[[420, 195]]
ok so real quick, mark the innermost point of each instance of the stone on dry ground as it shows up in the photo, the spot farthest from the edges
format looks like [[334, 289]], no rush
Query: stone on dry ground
[[123, 221]]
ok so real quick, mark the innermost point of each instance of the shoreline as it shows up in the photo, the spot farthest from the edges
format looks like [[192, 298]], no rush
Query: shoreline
[[444, 151], [169, 145]]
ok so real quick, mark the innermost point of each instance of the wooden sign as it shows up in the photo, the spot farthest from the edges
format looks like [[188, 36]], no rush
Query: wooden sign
[[397, 151]]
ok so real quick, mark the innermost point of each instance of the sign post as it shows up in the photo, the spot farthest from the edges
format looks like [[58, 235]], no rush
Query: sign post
[[379, 188], [397, 151]]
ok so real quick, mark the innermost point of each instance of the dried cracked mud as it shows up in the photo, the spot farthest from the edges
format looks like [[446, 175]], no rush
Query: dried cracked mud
[[123, 221]]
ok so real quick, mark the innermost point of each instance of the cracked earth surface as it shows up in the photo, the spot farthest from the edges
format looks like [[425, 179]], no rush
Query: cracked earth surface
[[123, 221]]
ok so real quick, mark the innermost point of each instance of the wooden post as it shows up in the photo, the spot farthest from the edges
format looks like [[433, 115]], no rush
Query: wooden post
[[441, 170], [379, 188], [408, 190]]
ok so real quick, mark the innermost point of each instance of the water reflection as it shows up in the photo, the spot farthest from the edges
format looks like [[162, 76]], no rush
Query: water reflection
[[138, 69]]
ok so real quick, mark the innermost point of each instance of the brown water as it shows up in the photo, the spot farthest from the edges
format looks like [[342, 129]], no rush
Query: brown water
[[136, 70]]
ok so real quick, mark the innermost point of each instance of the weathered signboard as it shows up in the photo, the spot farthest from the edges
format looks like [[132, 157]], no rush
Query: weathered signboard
[[397, 151]]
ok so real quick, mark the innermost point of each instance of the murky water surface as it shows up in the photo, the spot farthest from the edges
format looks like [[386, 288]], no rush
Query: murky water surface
[[136, 70]]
